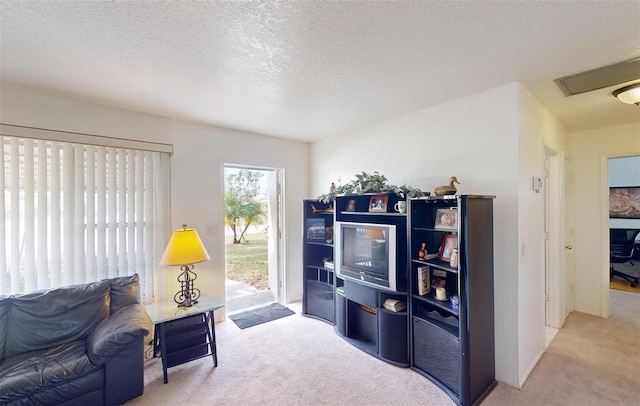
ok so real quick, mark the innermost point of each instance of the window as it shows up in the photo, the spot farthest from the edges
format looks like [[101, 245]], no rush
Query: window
[[76, 213]]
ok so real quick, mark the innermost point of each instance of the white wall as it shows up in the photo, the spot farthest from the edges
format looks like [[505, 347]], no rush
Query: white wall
[[197, 176], [196, 171], [475, 139], [537, 128], [591, 249], [28, 107]]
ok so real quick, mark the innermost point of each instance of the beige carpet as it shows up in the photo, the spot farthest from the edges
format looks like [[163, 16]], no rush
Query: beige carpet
[[300, 361], [591, 361]]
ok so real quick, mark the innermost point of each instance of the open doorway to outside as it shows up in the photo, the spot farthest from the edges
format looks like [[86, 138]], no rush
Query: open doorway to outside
[[253, 271]]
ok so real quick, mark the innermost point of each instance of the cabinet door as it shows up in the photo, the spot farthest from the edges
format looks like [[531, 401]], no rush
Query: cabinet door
[[341, 314], [437, 353], [393, 336], [319, 299]]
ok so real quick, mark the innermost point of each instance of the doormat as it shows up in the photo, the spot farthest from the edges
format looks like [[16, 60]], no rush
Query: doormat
[[261, 315]]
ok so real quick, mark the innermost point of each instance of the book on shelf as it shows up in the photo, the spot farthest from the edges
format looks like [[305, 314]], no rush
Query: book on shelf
[[394, 305], [328, 264], [424, 286], [438, 279]]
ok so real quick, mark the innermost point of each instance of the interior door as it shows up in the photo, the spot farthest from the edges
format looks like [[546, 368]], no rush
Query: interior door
[[568, 236], [555, 206], [547, 244]]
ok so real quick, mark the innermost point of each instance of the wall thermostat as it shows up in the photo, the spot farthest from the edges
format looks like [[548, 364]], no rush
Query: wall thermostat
[[537, 184]]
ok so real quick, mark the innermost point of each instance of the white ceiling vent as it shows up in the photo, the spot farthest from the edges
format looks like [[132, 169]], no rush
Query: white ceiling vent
[[600, 78]]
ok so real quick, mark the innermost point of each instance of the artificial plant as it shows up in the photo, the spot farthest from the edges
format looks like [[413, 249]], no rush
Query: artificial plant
[[370, 183]]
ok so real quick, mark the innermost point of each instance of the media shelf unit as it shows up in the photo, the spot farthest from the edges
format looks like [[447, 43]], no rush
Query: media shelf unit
[[361, 318], [453, 347], [319, 280], [362, 321]]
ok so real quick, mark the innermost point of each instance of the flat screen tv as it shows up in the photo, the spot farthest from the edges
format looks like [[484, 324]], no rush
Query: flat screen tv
[[366, 253]]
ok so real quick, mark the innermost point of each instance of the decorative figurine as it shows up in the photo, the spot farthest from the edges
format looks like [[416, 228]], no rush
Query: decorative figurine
[[422, 253], [454, 258], [447, 190]]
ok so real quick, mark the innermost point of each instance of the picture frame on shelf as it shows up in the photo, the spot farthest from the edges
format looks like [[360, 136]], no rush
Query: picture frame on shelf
[[329, 235], [351, 205], [624, 202], [438, 279], [449, 243], [316, 229], [378, 203], [446, 219]]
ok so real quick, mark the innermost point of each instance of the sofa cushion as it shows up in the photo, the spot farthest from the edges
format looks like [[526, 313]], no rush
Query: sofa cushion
[[49, 318], [4, 315], [36, 371], [118, 331], [124, 291]]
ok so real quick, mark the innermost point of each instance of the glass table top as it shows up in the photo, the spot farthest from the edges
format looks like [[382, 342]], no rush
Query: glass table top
[[167, 311]]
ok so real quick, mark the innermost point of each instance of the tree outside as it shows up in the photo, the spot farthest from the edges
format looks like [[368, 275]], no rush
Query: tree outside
[[246, 254]]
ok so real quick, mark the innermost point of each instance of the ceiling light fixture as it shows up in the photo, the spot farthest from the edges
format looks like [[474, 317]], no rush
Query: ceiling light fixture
[[629, 94]]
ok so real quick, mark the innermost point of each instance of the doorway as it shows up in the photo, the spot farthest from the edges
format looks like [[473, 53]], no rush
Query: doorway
[[253, 217], [624, 299]]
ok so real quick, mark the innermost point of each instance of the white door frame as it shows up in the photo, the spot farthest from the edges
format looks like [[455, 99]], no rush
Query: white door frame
[[568, 235], [604, 237], [276, 280], [275, 264]]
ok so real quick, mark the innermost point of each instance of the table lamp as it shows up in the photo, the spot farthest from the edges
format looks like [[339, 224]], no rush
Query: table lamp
[[185, 249]]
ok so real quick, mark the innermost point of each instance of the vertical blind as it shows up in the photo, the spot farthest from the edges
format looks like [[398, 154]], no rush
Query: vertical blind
[[76, 213]]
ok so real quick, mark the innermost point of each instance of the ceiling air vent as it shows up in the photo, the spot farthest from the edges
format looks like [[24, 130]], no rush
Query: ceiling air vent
[[600, 78]]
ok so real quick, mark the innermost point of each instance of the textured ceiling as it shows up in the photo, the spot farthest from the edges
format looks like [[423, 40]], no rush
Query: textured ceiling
[[306, 70]]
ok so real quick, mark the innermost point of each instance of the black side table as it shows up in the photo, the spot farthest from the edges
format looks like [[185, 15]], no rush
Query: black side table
[[183, 334]]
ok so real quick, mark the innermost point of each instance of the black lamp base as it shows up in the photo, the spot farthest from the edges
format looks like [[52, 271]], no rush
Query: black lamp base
[[188, 295], [187, 303]]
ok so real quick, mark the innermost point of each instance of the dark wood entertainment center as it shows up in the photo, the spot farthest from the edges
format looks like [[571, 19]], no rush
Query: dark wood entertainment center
[[451, 345]]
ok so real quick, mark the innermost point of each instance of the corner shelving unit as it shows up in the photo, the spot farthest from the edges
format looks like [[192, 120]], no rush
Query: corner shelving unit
[[453, 346], [319, 279]]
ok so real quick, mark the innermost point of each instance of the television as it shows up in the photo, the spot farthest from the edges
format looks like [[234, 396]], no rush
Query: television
[[366, 253]]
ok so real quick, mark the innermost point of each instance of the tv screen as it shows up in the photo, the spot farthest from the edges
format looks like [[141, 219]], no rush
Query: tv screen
[[366, 248], [366, 253]]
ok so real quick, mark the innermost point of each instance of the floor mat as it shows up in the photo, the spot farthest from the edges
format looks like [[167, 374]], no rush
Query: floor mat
[[261, 315]]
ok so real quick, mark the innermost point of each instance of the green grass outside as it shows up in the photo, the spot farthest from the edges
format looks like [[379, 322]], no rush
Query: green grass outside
[[247, 262]]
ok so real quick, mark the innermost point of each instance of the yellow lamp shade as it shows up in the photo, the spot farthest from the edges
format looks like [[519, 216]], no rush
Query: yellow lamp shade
[[184, 248]]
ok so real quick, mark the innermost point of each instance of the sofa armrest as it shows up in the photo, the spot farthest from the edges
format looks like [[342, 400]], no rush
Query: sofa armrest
[[119, 330]]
